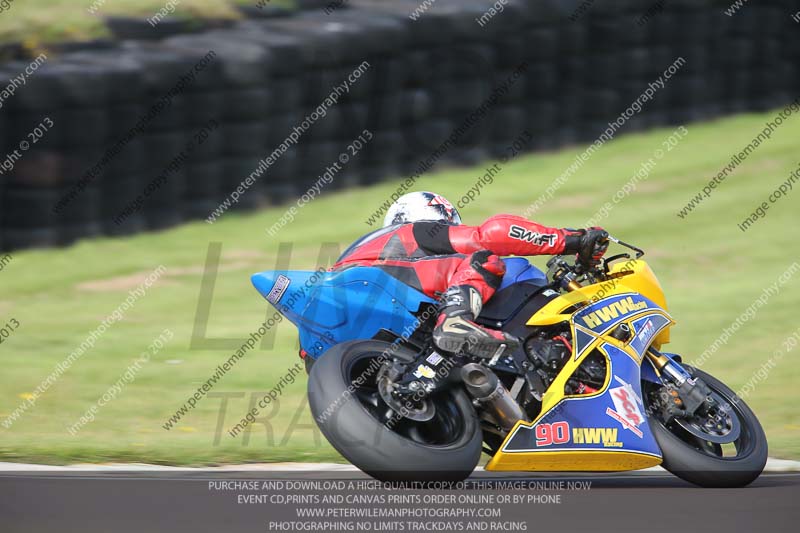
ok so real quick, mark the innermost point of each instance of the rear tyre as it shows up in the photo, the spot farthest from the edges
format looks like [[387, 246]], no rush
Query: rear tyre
[[705, 463], [345, 402]]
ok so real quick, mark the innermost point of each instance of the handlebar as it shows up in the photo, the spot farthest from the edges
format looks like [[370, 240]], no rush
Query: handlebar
[[567, 275]]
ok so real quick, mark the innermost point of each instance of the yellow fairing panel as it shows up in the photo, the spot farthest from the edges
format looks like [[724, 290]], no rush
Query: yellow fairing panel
[[626, 276], [605, 460], [577, 461]]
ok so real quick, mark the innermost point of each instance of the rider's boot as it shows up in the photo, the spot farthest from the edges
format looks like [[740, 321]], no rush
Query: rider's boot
[[456, 330]]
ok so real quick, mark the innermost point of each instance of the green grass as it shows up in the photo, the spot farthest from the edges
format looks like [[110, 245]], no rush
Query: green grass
[[48, 21], [710, 270]]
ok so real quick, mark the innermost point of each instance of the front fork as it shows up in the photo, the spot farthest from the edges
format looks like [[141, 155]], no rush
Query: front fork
[[688, 393], [666, 366]]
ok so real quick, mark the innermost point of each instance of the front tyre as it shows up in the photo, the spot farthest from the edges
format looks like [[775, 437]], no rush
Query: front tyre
[[344, 399], [709, 462]]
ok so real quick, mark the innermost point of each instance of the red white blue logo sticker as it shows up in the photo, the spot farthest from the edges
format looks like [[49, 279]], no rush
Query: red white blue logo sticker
[[626, 408]]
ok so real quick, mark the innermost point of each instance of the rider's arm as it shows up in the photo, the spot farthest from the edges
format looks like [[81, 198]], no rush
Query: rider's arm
[[502, 234]]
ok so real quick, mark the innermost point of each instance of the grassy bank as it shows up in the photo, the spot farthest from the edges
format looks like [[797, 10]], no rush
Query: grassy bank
[[711, 272], [47, 21]]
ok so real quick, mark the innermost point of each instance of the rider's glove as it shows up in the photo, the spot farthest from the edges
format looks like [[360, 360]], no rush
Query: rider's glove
[[590, 244]]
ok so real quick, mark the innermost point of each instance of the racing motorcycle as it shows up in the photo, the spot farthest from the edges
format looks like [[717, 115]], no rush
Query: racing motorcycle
[[589, 389]]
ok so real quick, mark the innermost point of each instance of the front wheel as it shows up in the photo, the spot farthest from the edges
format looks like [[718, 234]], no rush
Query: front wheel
[[347, 405], [725, 447]]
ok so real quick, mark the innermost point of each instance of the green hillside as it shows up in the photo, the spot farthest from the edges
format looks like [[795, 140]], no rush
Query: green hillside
[[711, 271]]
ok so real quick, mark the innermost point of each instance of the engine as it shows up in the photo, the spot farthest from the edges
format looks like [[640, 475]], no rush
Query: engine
[[549, 351]]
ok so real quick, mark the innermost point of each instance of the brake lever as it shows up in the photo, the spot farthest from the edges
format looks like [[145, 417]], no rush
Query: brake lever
[[639, 251], [608, 260]]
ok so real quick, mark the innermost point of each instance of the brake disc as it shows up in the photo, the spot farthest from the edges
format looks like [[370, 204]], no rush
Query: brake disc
[[718, 425]]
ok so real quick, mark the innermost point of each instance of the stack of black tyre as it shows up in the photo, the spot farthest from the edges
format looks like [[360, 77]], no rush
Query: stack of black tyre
[[56, 123], [328, 54], [448, 85], [118, 180]]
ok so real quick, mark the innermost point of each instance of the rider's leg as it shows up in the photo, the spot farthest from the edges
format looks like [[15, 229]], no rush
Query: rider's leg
[[471, 284]]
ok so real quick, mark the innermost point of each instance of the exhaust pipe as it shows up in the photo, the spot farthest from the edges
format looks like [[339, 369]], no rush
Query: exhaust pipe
[[484, 386]]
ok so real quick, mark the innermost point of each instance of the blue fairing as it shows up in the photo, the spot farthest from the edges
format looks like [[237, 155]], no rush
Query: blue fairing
[[334, 307], [611, 420], [356, 303], [519, 269]]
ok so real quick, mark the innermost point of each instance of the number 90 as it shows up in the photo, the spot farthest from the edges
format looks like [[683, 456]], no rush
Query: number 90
[[547, 434]]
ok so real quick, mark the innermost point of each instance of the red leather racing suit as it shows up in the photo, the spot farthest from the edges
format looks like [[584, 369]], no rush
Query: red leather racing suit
[[433, 256]]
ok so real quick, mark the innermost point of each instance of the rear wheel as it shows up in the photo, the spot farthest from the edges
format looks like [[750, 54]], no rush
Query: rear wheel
[[724, 447], [346, 402]]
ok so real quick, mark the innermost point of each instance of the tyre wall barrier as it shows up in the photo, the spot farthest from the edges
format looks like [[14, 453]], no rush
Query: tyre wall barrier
[[115, 162]]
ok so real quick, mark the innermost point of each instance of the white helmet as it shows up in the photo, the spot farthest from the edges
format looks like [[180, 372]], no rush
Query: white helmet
[[416, 206]]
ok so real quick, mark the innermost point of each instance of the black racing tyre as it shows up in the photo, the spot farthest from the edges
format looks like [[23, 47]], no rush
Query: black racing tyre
[[376, 171], [702, 462], [387, 111], [140, 29], [235, 170], [601, 104], [391, 73], [573, 40], [635, 63], [174, 118], [510, 51], [424, 32], [542, 80], [81, 127], [317, 84], [323, 44], [309, 362], [382, 148], [461, 96], [424, 137], [69, 234], [61, 85], [289, 48], [467, 60], [420, 65], [246, 104], [21, 125], [445, 448], [204, 106], [509, 122], [84, 209], [285, 171], [544, 115], [120, 71], [19, 239], [343, 121], [381, 33], [243, 138], [603, 70], [417, 106], [119, 193], [28, 208], [240, 65], [742, 53], [542, 43], [468, 155], [286, 95]]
